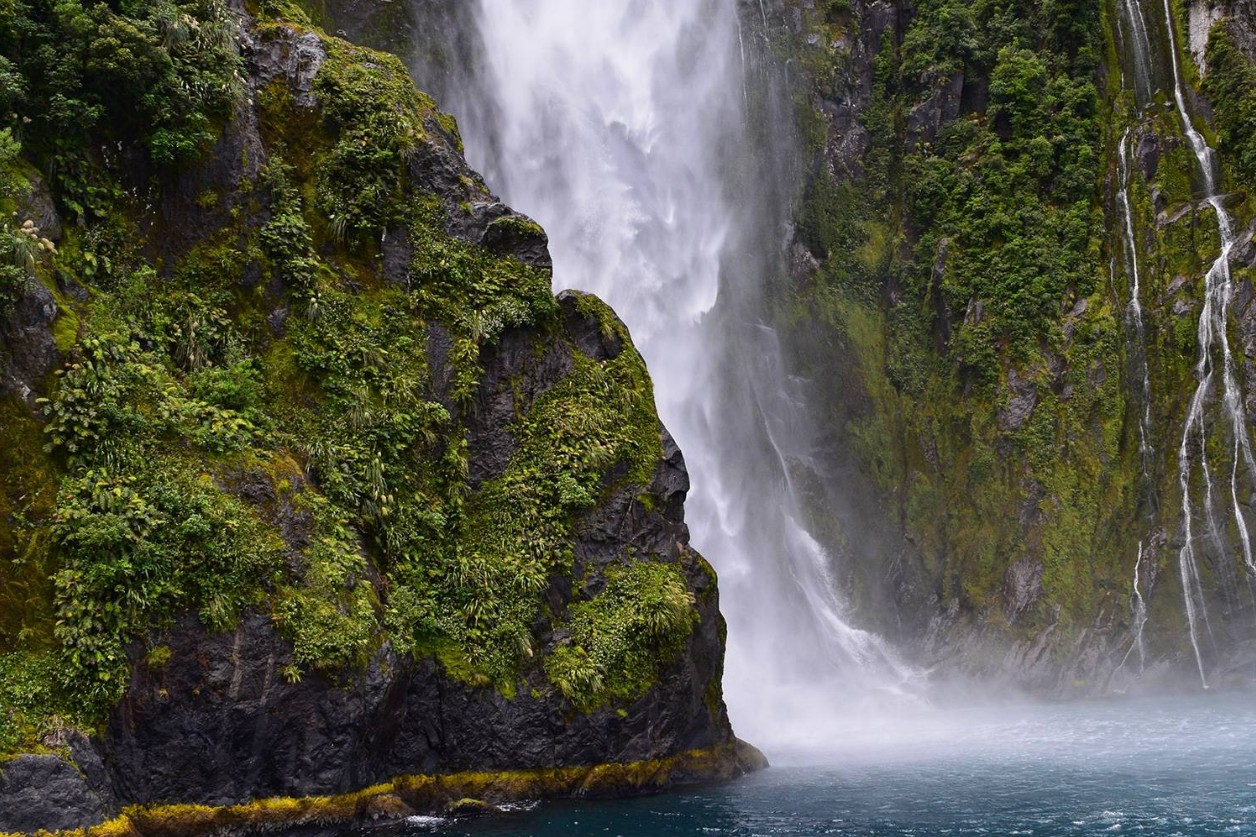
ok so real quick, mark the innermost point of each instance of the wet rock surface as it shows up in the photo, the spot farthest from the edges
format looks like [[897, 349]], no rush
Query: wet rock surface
[[221, 722], [50, 792], [225, 718]]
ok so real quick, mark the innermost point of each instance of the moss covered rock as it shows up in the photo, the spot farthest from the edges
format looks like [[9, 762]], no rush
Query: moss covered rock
[[327, 486]]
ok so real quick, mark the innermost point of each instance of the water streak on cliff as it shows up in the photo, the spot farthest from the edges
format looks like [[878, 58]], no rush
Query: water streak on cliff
[[1213, 339], [1134, 310]]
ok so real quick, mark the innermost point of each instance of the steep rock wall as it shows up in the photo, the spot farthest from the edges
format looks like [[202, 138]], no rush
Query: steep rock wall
[[334, 489], [959, 286]]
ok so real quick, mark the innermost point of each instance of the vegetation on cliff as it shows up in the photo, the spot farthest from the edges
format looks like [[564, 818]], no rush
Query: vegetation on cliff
[[972, 280], [265, 386]]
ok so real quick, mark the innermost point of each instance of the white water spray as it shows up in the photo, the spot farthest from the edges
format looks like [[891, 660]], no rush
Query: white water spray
[[1218, 293], [620, 127], [1138, 345]]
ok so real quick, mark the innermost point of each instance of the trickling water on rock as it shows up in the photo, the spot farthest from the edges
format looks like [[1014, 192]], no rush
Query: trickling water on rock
[[1134, 311], [622, 129], [1213, 340]]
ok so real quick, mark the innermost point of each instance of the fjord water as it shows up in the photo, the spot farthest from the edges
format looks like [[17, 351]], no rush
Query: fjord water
[[1165, 766], [623, 129]]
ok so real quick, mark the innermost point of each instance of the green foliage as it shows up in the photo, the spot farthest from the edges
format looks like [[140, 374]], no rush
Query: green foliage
[[330, 613], [286, 238], [1231, 88], [962, 268], [375, 113], [32, 701], [624, 635], [137, 549], [201, 459], [1016, 210], [517, 529], [943, 38], [155, 72]]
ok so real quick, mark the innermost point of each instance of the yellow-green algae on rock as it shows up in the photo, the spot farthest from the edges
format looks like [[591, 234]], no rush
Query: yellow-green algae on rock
[[408, 795]]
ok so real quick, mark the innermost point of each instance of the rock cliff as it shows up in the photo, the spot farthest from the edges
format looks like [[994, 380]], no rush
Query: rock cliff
[[960, 286], [312, 489]]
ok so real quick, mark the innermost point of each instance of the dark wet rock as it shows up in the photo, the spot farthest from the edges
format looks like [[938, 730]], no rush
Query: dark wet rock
[[220, 722], [397, 254], [472, 213], [37, 206], [1148, 154], [277, 320], [52, 793], [224, 720], [943, 106], [1022, 397], [1022, 586], [1244, 250], [596, 337], [28, 352], [1071, 319], [291, 56]]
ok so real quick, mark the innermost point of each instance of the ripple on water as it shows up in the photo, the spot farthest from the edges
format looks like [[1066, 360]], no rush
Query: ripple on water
[[1154, 768]]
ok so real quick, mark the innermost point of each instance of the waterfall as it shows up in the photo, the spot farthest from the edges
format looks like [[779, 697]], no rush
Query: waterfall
[[1139, 367], [622, 128], [1134, 311], [1138, 607], [1137, 43], [1212, 337]]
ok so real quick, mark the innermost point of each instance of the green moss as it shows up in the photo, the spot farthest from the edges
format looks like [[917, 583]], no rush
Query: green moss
[[191, 419], [624, 635], [1231, 88], [373, 109], [26, 503]]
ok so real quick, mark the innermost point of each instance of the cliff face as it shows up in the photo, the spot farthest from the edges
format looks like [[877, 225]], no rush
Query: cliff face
[[960, 287], [309, 481]]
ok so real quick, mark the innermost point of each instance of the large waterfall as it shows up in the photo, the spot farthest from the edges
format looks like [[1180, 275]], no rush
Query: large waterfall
[[622, 128]]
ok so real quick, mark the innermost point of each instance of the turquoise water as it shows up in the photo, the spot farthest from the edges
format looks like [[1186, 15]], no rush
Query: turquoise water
[[1184, 766]]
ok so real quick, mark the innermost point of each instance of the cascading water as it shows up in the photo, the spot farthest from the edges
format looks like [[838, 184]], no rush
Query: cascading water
[[1138, 44], [1134, 310], [1140, 618], [1138, 351], [621, 127], [1218, 292]]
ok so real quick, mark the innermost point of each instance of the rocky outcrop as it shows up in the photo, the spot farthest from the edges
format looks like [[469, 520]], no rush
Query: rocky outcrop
[[223, 718], [28, 352], [55, 792], [218, 722]]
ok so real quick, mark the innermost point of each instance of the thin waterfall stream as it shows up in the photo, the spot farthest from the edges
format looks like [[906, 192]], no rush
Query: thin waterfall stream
[[1138, 349], [622, 130], [1213, 323], [1134, 310]]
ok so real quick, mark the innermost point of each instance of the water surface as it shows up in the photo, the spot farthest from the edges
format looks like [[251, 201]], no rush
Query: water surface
[[1181, 766]]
